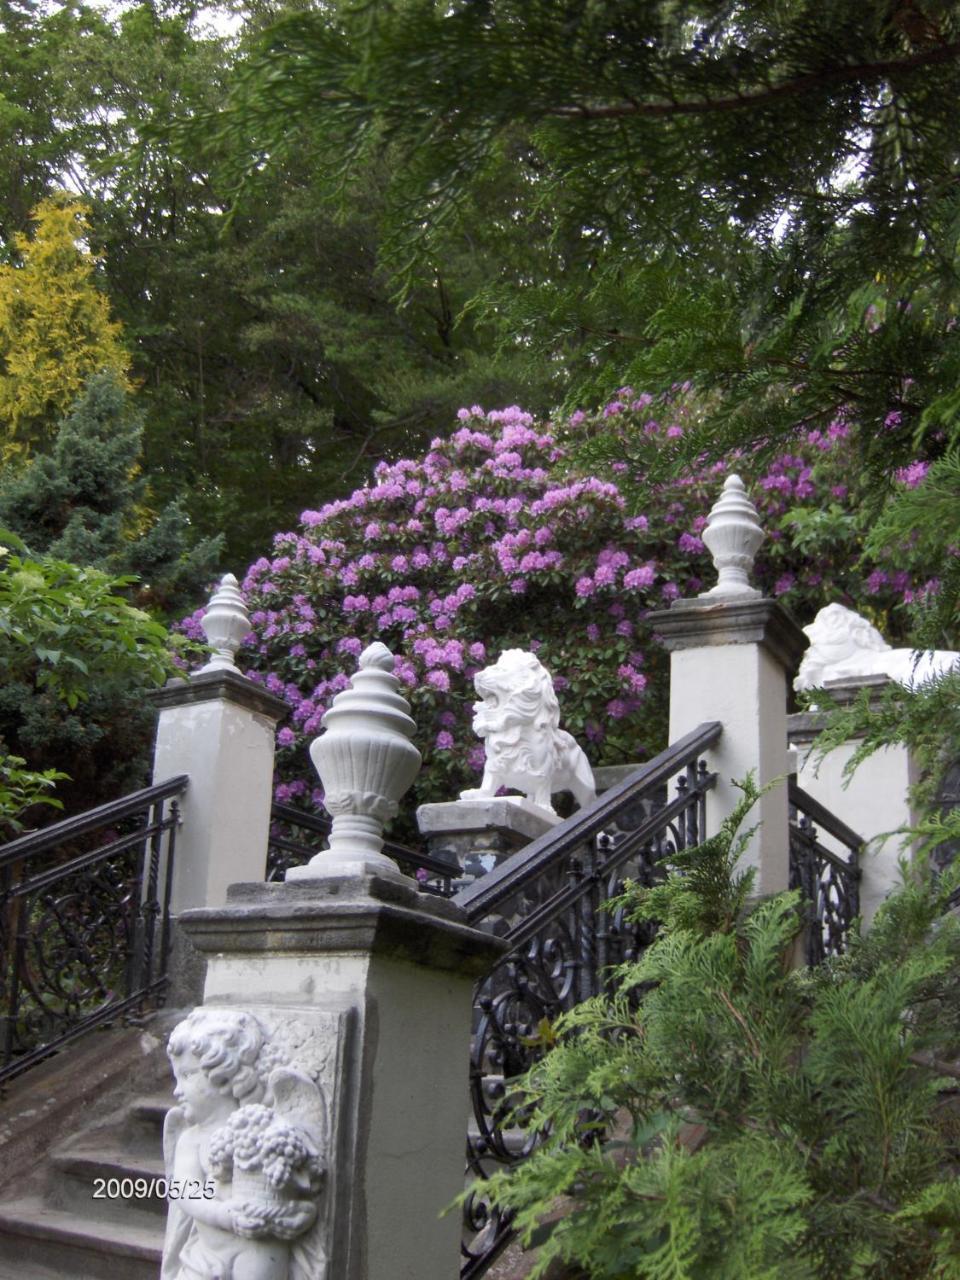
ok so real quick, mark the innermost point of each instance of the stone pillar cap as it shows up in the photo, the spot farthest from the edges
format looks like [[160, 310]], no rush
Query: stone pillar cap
[[359, 914], [704, 622], [227, 685]]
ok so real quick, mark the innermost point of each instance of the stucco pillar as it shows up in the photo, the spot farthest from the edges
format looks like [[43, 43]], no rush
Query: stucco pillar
[[219, 728], [874, 800], [731, 654], [357, 990], [731, 661]]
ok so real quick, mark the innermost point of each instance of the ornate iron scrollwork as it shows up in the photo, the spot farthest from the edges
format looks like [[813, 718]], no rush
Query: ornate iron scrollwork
[[829, 881], [84, 922]]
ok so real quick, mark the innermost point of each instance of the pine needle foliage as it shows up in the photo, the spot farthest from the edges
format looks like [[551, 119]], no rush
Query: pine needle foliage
[[770, 1121]]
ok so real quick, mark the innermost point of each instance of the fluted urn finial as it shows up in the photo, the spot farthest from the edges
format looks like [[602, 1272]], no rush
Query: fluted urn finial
[[225, 623], [366, 762], [733, 535]]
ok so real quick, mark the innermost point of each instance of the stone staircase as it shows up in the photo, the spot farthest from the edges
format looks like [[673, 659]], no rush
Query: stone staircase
[[87, 1122]]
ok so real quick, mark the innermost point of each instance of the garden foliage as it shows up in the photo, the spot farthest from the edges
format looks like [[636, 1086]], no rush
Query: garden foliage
[[77, 661], [497, 538], [85, 500], [772, 1122], [55, 325]]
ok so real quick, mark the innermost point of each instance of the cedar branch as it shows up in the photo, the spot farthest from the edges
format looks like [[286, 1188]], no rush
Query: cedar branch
[[867, 71]]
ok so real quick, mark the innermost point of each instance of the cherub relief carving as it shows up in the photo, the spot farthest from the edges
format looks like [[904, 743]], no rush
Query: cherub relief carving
[[245, 1156]]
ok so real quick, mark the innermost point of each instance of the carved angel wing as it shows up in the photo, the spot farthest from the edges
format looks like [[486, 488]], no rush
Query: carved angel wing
[[298, 1100], [179, 1225], [308, 1259], [174, 1123], [295, 1097]]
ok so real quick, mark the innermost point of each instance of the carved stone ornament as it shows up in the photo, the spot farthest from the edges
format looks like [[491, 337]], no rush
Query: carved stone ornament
[[225, 623], [245, 1152], [844, 646], [366, 762], [518, 718], [732, 536]]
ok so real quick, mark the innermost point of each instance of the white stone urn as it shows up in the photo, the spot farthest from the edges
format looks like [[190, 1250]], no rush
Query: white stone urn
[[733, 535], [366, 762], [225, 623]]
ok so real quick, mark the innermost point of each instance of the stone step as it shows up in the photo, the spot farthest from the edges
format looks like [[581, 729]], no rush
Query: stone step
[[107, 1180], [143, 1120], [71, 1246]]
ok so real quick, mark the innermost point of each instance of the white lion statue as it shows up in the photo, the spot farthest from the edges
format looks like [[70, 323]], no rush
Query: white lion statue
[[518, 718], [843, 646]]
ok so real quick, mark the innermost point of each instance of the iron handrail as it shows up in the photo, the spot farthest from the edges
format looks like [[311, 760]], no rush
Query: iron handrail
[[623, 852], [68, 829], [828, 881], [485, 895], [320, 824], [821, 815]]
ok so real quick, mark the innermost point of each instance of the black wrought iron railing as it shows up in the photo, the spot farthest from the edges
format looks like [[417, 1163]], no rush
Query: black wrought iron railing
[[284, 849], [545, 901], [829, 880], [84, 922]]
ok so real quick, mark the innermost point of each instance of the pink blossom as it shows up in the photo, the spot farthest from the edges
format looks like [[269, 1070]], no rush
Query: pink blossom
[[641, 577]]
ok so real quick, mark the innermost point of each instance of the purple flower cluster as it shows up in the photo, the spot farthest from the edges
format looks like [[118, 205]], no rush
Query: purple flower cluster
[[496, 539]]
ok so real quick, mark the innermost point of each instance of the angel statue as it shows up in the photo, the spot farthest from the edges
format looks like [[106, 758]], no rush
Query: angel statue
[[244, 1153]]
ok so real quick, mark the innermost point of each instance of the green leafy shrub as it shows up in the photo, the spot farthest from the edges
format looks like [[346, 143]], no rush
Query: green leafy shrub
[[21, 789], [775, 1122], [77, 659]]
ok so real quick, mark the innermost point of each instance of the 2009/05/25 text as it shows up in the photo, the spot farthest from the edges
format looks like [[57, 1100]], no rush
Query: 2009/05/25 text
[[149, 1188]]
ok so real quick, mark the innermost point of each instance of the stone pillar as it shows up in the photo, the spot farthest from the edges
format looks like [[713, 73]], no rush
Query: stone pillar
[[371, 984], [731, 655], [873, 801], [355, 992], [219, 728]]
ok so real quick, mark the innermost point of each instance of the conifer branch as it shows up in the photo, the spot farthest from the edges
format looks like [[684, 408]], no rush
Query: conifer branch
[[867, 71], [941, 1067]]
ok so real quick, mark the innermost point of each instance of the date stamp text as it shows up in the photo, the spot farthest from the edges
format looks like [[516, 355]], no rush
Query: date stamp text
[[150, 1188]]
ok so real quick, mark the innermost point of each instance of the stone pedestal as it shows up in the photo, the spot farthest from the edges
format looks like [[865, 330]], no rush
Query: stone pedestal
[[873, 801], [730, 660], [366, 987], [476, 835]]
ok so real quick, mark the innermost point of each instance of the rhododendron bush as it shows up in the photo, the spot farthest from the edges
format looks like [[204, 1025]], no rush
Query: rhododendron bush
[[495, 539]]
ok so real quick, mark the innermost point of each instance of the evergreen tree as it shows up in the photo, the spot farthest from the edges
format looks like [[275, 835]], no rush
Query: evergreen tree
[[85, 501], [761, 199], [772, 1123], [55, 326]]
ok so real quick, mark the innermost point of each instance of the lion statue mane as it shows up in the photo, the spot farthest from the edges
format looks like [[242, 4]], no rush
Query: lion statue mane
[[844, 646], [518, 718]]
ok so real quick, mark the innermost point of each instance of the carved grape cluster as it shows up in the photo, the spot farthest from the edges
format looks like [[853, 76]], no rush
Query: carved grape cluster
[[281, 1152], [256, 1139]]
